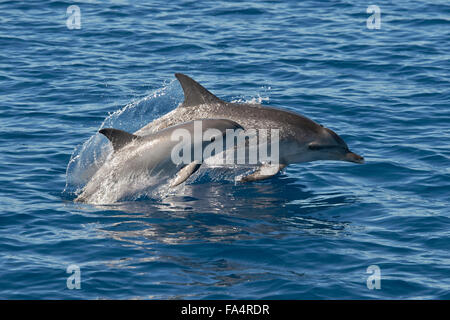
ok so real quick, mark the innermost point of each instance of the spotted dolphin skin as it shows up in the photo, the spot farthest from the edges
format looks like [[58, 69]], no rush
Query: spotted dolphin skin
[[300, 138], [140, 162]]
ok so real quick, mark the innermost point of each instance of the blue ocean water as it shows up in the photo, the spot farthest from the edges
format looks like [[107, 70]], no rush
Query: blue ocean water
[[308, 233]]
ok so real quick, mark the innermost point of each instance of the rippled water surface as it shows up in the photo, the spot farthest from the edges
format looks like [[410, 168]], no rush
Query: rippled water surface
[[311, 232]]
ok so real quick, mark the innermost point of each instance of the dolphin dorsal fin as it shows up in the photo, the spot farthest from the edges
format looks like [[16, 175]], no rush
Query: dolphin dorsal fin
[[194, 93], [118, 137]]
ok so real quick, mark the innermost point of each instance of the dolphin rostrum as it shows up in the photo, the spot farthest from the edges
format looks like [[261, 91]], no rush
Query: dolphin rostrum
[[139, 162], [300, 138]]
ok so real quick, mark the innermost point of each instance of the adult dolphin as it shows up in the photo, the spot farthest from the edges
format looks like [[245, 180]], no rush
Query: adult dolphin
[[138, 163], [300, 138]]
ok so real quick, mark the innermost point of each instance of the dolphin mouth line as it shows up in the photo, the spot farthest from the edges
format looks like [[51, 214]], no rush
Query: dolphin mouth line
[[362, 161], [353, 157]]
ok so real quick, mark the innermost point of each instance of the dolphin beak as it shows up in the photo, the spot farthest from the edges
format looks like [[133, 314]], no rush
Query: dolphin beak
[[353, 157]]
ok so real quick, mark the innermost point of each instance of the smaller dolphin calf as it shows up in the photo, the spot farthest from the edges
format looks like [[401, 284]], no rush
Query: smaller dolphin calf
[[141, 162]]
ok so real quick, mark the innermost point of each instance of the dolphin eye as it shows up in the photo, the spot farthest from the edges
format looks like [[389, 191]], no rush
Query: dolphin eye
[[314, 146]]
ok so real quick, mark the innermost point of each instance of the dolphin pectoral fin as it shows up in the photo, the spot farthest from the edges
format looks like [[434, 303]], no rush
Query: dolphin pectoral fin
[[185, 173], [194, 93], [80, 198], [118, 137], [263, 172]]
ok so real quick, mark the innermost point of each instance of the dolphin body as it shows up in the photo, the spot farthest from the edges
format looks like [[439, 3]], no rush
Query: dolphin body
[[300, 139], [140, 162]]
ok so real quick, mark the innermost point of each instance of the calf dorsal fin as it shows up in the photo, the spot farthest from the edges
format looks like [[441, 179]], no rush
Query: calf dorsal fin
[[118, 138]]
